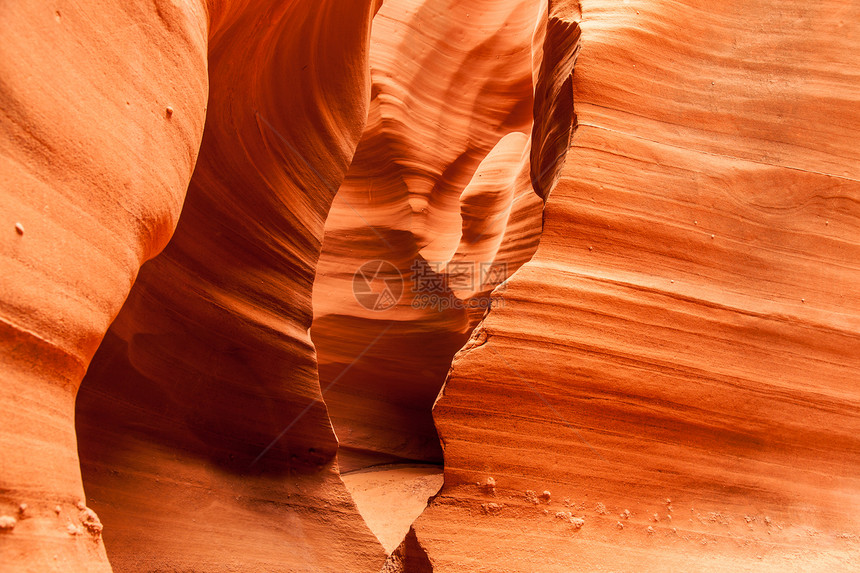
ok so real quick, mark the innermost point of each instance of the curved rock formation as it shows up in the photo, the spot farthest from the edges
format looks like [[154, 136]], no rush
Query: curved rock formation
[[673, 375], [439, 190], [668, 382], [102, 113], [202, 416]]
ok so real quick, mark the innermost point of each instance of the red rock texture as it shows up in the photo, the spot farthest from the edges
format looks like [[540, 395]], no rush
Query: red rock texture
[[93, 174], [439, 183], [666, 380], [684, 344], [203, 412], [210, 360]]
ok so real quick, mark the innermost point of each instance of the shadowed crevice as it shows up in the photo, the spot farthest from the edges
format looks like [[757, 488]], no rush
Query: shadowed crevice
[[553, 108], [409, 557]]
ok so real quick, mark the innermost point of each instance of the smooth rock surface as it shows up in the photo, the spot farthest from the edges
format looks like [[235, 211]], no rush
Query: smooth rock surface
[[93, 174], [390, 497], [439, 190], [204, 440], [658, 199], [677, 365]]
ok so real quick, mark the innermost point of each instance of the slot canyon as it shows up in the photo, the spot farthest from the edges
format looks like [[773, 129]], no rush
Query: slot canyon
[[413, 286]]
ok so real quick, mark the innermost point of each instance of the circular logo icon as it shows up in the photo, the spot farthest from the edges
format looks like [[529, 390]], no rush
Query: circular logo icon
[[377, 285]]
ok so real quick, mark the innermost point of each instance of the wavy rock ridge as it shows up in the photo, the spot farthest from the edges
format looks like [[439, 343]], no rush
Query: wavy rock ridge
[[210, 370], [666, 383], [178, 417], [85, 138], [676, 367], [439, 190]]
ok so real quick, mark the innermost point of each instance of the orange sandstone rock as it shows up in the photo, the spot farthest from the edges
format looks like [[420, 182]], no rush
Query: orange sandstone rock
[[92, 180], [205, 443], [439, 189], [667, 383], [686, 329]]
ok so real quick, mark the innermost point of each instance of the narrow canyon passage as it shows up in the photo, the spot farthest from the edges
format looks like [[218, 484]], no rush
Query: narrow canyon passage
[[366, 286], [446, 205], [450, 210], [433, 214], [204, 441], [675, 371]]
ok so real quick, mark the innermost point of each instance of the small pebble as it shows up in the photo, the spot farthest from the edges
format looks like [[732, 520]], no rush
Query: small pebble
[[7, 523], [169, 111], [19, 228], [491, 508], [22, 509], [712, 236], [57, 509], [91, 522], [650, 530]]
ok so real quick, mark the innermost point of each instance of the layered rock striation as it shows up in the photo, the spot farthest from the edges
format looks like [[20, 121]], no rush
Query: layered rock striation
[[674, 373], [435, 211], [247, 244]]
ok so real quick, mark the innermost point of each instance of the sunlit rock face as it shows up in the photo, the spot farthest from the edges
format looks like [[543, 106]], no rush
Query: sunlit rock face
[[102, 107], [677, 366], [437, 209], [598, 259], [204, 398]]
